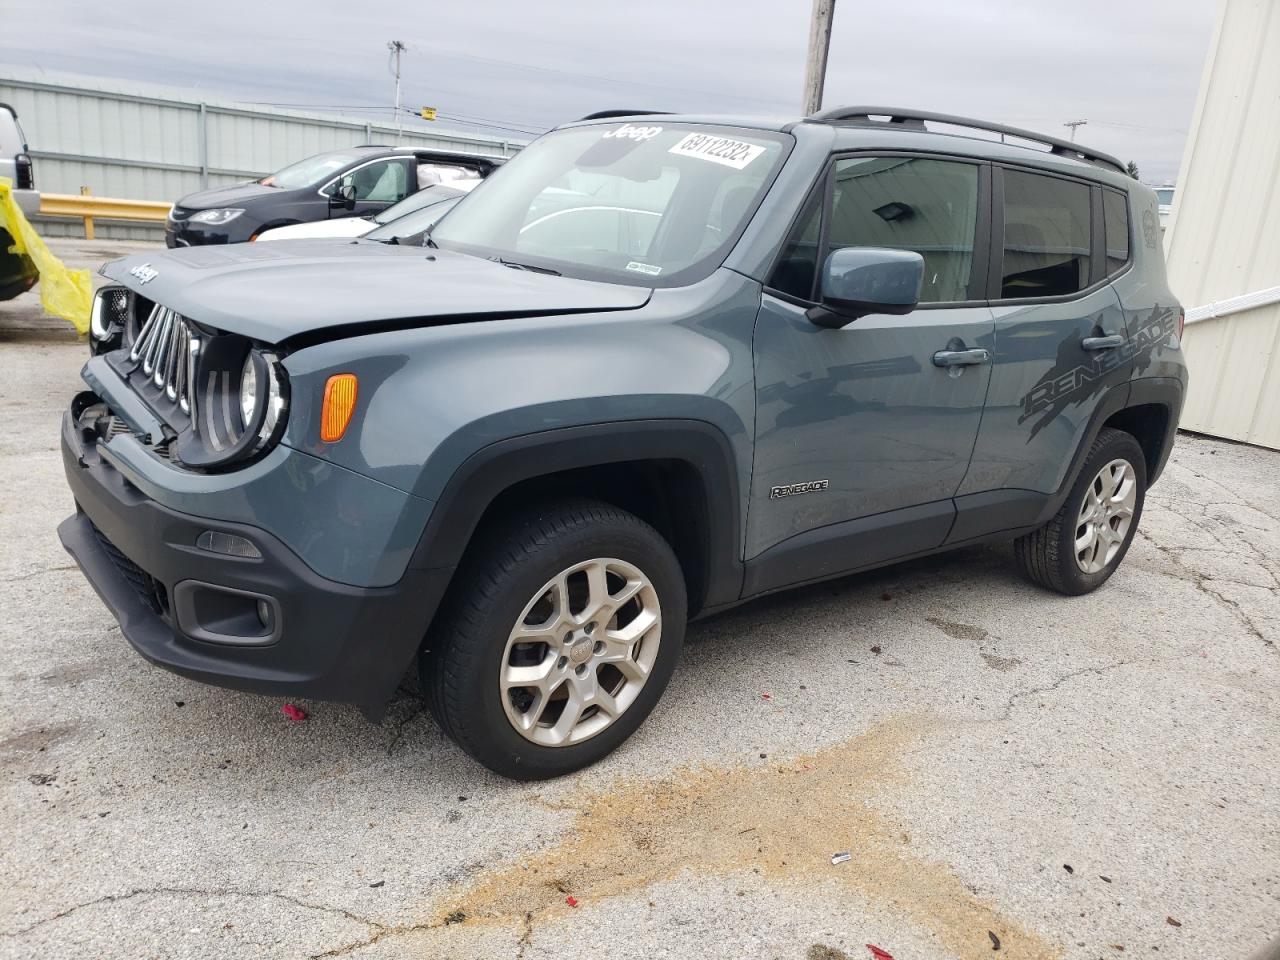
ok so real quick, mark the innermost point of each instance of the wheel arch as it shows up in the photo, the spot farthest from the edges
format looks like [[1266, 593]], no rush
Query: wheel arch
[[678, 475], [1151, 417]]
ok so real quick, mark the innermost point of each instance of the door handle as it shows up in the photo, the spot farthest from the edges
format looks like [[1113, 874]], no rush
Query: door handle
[[960, 358], [1102, 343]]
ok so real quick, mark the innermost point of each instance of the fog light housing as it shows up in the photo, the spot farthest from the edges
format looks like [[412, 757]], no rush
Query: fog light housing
[[228, 544]]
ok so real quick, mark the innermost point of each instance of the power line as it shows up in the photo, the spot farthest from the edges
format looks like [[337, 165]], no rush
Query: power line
[[594, 76]]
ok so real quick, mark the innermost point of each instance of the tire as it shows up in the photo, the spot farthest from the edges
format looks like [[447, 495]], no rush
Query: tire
[[1049, 555], [541, 571]]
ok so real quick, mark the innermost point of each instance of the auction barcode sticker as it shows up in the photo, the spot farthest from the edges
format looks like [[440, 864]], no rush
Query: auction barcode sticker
[[731, 153]]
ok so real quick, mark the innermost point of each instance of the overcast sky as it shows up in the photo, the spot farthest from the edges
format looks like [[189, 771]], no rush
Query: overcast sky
[[1130, 67]]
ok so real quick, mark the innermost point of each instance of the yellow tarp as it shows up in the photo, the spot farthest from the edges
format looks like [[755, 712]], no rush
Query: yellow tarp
[[64, 293]]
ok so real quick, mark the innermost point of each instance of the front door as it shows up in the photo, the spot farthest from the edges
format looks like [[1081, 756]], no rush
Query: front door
[[862, 423], [377, 185]]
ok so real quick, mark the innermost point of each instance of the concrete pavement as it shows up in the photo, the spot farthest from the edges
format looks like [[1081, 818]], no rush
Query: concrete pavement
[[1067, 777]]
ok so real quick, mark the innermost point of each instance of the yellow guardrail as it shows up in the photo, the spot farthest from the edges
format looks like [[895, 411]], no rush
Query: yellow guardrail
[[87, 207]]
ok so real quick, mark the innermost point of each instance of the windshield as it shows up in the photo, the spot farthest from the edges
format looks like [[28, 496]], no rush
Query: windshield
[[416, 201], [653, 204], [412, 226], [307, 172]]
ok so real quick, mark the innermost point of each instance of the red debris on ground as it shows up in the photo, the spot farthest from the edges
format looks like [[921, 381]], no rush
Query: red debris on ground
[[878, 953], [296, 714], [571, 901], [766, 696]]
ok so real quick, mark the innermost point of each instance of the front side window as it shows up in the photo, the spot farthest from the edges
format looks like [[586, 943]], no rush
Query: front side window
[[1115, 216], [910, 203], [920, 204], [650, 204], [383, 181], [1046, 236], [309, 172], [797, 269]]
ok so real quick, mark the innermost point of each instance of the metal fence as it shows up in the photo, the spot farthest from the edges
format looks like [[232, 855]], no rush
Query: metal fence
[[152, 146]]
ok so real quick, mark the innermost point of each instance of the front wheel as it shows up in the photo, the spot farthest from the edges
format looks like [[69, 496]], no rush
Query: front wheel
[[559, 637], [1083, 544]]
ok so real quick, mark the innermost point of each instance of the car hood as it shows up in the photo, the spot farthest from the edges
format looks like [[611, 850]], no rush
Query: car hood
[[274, 291], [232, 196], [341, 227]]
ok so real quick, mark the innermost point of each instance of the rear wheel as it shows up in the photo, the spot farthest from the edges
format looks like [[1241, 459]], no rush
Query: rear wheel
[[560, 635], [1084, 543]]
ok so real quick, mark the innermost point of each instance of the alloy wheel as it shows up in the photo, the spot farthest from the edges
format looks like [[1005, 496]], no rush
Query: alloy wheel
[[581, 652], [1105, 515]]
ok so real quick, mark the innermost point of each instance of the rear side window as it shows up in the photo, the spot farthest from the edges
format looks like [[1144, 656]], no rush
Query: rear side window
[[1115, 215], [910, 203], [1046, 236]]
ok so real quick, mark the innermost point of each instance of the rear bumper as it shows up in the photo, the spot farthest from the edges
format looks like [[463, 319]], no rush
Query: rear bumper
[[330, 640]]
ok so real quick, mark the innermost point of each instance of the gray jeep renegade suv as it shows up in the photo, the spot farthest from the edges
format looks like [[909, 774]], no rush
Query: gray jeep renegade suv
[[657, 365]]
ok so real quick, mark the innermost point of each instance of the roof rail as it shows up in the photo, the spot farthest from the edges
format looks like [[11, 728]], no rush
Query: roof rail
[[917, 118], [610, 114]]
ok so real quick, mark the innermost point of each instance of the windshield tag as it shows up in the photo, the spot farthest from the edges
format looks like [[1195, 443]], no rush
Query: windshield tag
[[731, 153], [648, 268]]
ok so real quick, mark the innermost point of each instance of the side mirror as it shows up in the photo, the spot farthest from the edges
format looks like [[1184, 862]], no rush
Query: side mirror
[[860, 280], [344, 196]]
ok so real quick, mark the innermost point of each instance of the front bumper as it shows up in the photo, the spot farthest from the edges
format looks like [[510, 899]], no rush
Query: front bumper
[[184, 233], [332, 641]]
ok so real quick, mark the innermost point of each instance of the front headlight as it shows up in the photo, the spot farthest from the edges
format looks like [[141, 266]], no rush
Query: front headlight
[[248, 390], [240, 404], [216, 217]]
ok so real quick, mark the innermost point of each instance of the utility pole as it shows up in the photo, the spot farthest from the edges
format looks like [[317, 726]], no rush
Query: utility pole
[[1073, 124], [397, 48], [815, 68]]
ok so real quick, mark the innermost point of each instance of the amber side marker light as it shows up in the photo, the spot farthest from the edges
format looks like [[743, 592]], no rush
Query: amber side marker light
[[339, 404]]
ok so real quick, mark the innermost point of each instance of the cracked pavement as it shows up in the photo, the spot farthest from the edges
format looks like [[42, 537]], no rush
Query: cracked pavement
[[1132, 736]]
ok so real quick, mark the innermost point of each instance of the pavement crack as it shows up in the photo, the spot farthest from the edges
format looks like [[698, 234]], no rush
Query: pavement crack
[[382, 931], [1202, 582], [526, 936], [191, 892], [398, 733], [1006, 714], [40, 573]]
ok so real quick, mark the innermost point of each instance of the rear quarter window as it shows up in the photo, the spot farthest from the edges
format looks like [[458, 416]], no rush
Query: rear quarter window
[[1115, 216]]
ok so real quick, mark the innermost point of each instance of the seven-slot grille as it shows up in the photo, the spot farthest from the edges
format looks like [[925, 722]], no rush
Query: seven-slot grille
[[167, 348]]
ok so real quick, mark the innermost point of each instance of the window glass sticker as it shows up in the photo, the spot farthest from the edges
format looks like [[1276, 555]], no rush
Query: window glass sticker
[[704, 146]]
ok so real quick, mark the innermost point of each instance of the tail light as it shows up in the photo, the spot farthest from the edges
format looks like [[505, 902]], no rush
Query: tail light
[[1182, 322], [26, 172]]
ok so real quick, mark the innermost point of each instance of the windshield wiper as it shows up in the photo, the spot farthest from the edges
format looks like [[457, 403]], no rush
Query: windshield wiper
[[525, 266]]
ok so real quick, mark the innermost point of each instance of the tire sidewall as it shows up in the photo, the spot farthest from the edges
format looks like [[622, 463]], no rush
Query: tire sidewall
[[490, 737], [1116, 446]]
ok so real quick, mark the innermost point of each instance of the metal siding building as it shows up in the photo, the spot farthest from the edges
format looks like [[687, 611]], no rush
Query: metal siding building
[[156, 144], [1224, 235]]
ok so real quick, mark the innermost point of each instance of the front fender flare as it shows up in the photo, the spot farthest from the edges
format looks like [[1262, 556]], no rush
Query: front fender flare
[[488, 472]]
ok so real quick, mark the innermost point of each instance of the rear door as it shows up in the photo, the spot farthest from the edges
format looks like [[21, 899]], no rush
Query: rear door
[[1060, 335], [863, 413]]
